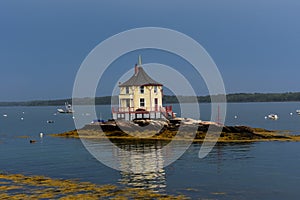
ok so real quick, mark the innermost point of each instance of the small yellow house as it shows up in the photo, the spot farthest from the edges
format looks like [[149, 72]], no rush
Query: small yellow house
[[141, 97]]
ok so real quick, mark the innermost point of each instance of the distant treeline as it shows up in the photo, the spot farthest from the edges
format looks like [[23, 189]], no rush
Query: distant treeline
[[167, 99], [61, 102], [239, 97]]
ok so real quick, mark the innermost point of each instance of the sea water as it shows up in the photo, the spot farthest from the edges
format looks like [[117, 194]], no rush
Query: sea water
[[260, 170]]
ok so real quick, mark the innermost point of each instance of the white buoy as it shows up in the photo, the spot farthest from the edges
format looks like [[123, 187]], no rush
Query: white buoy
[[291, 113], [23, 112], [235, 117], [41, 134], [22, 118], [266, 117]]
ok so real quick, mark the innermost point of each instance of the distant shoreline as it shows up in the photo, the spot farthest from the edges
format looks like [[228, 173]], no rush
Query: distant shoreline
[[168, 99]]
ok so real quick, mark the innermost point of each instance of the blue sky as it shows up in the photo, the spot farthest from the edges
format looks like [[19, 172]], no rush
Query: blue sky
[[255, 44]]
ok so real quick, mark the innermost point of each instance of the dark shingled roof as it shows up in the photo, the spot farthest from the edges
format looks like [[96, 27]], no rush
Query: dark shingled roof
[[139, 79]]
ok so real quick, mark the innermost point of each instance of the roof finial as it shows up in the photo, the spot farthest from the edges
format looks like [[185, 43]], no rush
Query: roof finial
[[140, 61]]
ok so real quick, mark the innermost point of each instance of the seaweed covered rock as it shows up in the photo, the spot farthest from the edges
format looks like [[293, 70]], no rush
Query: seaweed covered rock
[[182, 128]]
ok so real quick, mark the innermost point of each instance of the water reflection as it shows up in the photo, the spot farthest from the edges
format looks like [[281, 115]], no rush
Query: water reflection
[[230, 151], [223, 153], [140, 162], [155, 181], [142, 165]]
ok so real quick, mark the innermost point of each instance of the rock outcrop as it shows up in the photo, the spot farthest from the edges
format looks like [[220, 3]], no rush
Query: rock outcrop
[[164, 129]]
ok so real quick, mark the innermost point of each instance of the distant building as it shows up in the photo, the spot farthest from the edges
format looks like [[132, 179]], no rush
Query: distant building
[[141, 98]]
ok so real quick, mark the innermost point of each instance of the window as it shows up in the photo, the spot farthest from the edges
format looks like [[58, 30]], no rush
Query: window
[[142, 102], [127, 102], [156, 104], [127, 90], [156, 101], [155, 89], [142, 89]]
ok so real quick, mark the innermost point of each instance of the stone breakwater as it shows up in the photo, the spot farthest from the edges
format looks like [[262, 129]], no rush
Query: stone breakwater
[[167, 130]]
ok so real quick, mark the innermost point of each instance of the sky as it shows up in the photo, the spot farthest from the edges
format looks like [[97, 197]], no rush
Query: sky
[[255, 44]]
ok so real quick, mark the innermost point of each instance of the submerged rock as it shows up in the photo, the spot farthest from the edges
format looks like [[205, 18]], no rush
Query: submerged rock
[[18, 186]]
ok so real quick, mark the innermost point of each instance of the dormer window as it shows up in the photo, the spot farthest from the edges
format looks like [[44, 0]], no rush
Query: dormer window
[[142, 89], [155, 89], [127, 90]]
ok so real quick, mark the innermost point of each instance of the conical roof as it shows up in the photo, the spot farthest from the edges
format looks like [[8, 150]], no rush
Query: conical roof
[[140, 78]]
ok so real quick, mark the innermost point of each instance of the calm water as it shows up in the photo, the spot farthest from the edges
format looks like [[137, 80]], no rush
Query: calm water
[[263, 170]]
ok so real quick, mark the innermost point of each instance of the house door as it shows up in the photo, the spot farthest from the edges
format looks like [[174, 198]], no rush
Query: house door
[[156, 104]]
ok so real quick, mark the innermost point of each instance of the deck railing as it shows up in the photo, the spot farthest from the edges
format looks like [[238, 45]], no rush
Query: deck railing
[[147, 109], [146, 112]]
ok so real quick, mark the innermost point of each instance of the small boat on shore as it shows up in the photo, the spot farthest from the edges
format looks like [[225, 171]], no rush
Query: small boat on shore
[[68, 108]]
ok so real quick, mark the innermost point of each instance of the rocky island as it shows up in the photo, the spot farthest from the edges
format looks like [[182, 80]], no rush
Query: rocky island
[[167, 130], [141, 115]]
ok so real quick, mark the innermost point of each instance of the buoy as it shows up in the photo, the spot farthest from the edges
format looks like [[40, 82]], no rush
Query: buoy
[[41, 134], [22, 118], [266, 117], [235, 117], [291, 113], [5, 115]]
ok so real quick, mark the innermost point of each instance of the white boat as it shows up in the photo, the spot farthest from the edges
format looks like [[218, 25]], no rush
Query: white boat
[[67, 110], [273, 116], [298, 112]]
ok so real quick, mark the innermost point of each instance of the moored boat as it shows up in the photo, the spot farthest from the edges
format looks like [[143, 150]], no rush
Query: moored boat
[[273, 116], [67, 110]]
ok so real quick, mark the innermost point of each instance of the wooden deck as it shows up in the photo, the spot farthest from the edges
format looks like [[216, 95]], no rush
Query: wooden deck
[[128, 113]]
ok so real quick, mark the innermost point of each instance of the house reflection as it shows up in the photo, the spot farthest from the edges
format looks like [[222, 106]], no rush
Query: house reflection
[[141, 165]]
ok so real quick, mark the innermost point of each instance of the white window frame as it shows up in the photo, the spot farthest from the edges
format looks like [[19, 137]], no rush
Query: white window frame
[[142, 102], [127, 90]]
